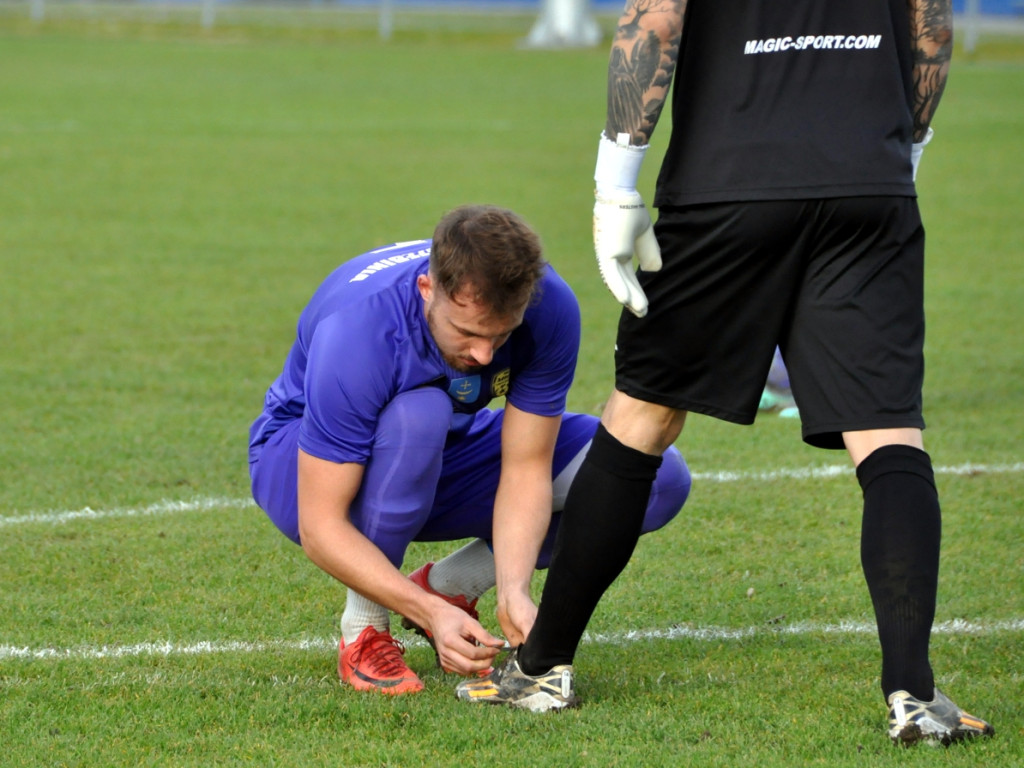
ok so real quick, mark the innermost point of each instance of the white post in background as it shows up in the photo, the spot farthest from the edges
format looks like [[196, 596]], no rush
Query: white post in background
[[972, 10], [37, 10], [564, 24], [208, 14], [385, 19]]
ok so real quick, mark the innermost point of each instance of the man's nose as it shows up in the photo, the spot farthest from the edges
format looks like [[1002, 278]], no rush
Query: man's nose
[[483, 351]]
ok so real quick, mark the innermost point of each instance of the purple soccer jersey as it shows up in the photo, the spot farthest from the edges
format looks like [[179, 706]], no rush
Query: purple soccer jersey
[[365, 382], [363, 339]]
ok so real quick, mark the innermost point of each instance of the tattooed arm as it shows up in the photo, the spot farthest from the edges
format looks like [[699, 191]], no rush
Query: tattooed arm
[[931, 40], [640, 67], [643, 58]]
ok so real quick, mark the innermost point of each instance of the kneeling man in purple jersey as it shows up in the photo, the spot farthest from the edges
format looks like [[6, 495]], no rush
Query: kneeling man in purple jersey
[[377, 433]]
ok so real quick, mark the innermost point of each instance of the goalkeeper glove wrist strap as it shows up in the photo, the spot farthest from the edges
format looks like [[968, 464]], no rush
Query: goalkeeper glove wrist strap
[[618, 165]]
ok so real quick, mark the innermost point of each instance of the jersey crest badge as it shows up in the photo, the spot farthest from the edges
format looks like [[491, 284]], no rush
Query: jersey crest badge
[[500, 382], [465, 390]]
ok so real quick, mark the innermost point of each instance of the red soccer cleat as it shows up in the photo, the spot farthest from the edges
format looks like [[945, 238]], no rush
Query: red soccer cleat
[[374, 663]]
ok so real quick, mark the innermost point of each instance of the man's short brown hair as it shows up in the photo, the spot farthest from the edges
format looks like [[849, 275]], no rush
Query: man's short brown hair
[[490, 254]]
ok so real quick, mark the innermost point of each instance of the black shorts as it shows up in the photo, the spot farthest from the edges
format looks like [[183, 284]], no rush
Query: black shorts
[[837, 284]]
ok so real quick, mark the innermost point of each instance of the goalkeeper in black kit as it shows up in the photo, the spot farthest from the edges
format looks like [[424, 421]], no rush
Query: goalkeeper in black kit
[[787, 216]]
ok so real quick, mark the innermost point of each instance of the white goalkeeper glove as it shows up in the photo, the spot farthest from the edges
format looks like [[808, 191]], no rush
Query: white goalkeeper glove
[[622, 225], [916, 150]]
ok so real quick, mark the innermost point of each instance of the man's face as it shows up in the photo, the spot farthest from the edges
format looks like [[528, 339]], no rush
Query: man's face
[[466, 332]]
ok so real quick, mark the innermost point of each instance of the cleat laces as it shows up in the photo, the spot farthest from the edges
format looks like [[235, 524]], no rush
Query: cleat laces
[[382, 654]]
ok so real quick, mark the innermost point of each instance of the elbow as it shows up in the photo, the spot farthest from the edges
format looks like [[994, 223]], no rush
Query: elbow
[[309, 540], [307, 544], [668, 28], [940, 39]]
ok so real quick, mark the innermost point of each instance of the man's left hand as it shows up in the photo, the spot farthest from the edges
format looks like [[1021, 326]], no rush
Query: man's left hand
[[622, 228]]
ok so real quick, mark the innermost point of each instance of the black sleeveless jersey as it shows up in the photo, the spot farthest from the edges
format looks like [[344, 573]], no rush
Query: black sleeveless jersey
[[790, 99]]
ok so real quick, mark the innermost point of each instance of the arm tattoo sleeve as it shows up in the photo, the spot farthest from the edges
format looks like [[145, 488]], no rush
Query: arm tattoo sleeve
[[931, 40], [640, 67]]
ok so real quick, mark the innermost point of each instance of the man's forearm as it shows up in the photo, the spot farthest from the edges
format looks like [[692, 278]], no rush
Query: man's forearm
[[342, 551], [640, 67], [931, 40], [337, 547], [522, 515]]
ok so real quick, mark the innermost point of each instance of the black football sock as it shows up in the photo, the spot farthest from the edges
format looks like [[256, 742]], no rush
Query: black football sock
[[899, 551], [600, 525]]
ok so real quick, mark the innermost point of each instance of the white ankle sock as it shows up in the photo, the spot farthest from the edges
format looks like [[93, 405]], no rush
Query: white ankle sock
[[361, 613]]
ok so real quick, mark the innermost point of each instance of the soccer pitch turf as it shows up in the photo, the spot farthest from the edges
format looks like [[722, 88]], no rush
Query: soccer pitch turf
[[171, 197]]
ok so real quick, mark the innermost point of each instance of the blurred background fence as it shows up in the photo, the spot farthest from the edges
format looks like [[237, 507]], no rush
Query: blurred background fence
[[541, 23], [544, 23]]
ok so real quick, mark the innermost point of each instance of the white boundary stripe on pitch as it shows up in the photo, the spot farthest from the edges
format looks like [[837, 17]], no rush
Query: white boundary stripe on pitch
[[205, 648], [837, 470], [212, 503], [159, 508]]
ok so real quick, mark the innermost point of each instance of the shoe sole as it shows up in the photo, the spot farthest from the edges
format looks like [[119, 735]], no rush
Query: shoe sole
[[386, 687], [912, 734], [535, 702]]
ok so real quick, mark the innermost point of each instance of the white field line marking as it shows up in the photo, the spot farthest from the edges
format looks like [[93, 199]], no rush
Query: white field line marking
[[165, 507], [838, 470], [707, 634], [203, 504], [681, 632]]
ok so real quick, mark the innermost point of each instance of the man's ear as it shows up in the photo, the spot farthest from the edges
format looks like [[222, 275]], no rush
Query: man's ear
[[425, 286]]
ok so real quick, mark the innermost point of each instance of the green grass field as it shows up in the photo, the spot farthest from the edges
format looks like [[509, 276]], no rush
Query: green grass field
[[170, 197]]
